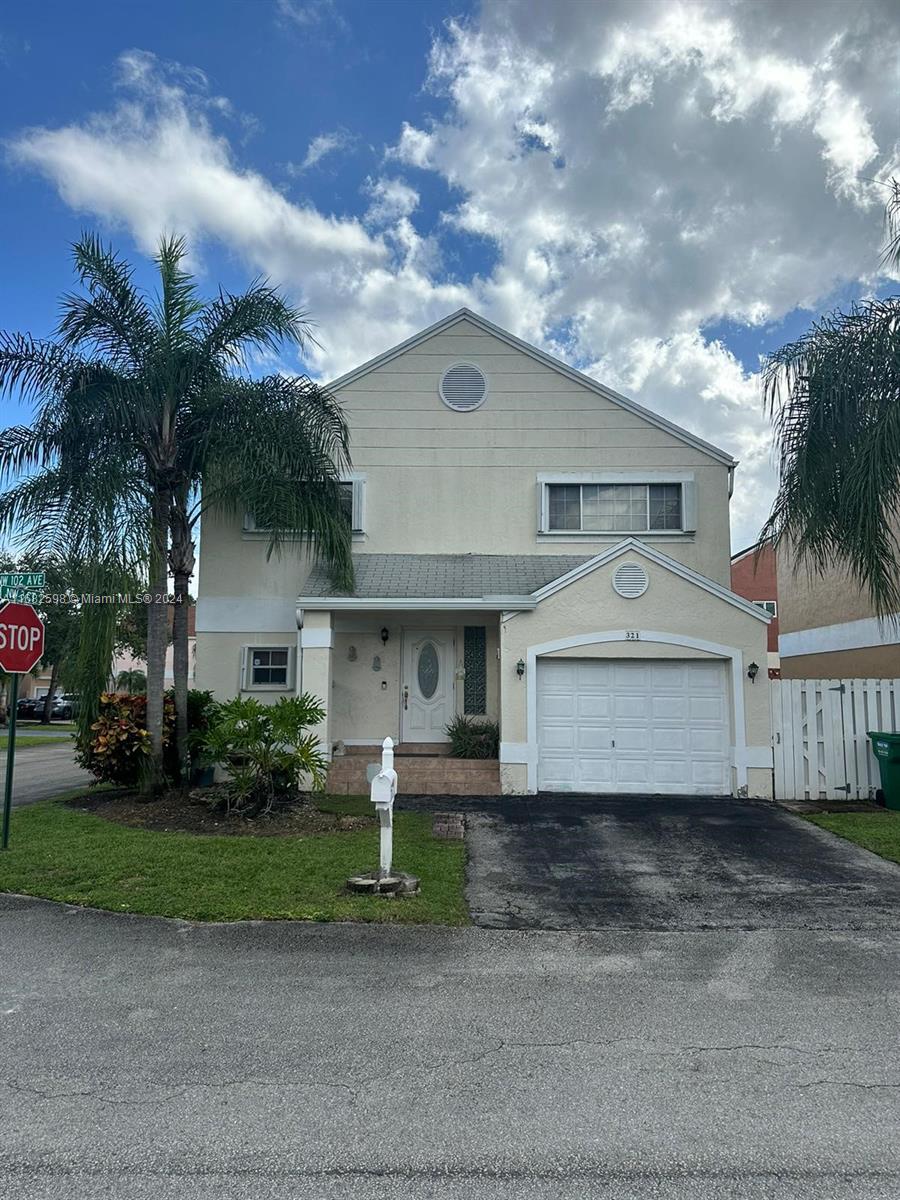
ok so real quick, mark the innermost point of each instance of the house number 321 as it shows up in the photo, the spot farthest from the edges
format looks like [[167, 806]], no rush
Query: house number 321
[[632, 635]]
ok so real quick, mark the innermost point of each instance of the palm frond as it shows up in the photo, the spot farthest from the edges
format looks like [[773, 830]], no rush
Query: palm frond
[[113, 320], [834, 399], [259, 319]]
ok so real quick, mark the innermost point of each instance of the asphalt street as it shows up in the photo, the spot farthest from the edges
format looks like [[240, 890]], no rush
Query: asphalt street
[[44, 771], [144, 1058]]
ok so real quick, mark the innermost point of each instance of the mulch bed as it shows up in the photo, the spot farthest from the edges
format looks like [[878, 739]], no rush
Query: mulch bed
[[175, 812]]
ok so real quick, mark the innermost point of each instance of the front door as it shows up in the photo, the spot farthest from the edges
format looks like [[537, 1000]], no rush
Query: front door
[[426, 689]]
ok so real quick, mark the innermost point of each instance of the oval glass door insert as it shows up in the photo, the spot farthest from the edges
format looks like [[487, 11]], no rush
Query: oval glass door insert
[[428, 670]]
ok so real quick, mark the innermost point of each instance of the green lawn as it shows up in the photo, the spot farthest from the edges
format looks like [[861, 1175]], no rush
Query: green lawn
[[80, 858], [23, 740], [877, 831]]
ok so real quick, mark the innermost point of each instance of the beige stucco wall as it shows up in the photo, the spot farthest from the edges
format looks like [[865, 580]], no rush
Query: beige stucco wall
[[866, 662], [219, 659], [361, 708], [439, 481], [806, 602], [670, 605]]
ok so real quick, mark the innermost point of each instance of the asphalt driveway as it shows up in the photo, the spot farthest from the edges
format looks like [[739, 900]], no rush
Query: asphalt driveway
[[658, 863]]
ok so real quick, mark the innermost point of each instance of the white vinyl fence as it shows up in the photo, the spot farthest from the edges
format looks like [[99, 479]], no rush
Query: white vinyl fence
[[819, 729]]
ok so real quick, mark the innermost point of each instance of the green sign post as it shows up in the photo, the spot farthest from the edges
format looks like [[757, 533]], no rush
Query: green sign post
[[21, 649]]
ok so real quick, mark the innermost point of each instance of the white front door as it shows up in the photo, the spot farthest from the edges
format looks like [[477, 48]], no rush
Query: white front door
[[426, 689]]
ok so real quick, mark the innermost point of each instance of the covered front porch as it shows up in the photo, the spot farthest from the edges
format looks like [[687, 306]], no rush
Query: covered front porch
[[405, 674]]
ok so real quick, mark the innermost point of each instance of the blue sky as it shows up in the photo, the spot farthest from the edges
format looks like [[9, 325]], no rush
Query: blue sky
[[657, 192]]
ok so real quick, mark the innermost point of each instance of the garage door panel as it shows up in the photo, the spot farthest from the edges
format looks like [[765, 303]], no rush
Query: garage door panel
[[706, 708], [588, 739], [590, 706], [554, 706], [669, 720], [557, 737], [664, 740]]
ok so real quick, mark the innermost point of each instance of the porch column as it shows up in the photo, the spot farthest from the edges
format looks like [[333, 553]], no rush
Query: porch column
[[314, 676]]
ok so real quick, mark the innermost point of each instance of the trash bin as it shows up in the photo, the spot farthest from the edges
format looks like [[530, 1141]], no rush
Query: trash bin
[[886, 747]]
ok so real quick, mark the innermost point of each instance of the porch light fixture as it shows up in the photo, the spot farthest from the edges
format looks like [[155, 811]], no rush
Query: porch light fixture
[[752, 672], [520, 668], [385, 634]]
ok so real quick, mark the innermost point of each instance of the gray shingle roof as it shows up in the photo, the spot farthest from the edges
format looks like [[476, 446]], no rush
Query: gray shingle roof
[[447, 575]]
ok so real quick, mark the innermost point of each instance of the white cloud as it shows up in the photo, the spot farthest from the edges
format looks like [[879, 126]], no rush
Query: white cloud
[[323, 145], [641, 170]]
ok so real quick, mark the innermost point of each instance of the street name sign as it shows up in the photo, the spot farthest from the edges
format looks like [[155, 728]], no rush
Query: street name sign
[[33, 580]]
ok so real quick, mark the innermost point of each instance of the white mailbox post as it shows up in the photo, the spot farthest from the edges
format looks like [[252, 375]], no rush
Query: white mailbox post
[[383, 791]]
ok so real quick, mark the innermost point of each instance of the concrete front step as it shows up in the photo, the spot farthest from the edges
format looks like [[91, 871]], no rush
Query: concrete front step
[[424, 776], [429, 749]]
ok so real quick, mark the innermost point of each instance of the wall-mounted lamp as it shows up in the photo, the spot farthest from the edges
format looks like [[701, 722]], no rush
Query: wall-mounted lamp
[[752, 672], [385, 634], [520, 668]]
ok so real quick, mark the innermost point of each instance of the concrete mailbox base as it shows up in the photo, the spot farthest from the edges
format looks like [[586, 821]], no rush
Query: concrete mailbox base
[[400, 884]]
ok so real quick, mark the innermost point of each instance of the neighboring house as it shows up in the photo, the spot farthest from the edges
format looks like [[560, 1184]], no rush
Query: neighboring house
[[126, 661], [531, 547], [828, 628], [754, 576]]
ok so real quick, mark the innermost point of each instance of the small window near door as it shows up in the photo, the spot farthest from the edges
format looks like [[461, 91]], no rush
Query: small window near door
[[268, 667], [475, 664]]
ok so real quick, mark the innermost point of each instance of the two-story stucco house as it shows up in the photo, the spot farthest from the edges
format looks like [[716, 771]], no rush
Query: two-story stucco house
[[531, 547]]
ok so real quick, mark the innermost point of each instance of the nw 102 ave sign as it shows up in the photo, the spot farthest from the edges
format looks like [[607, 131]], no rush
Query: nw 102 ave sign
[[21, 638]]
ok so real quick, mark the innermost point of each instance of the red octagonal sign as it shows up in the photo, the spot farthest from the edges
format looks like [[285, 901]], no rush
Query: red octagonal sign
[[21, 638]]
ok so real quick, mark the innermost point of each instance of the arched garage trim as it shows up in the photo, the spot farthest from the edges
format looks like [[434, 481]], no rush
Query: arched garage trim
[[731, 653]]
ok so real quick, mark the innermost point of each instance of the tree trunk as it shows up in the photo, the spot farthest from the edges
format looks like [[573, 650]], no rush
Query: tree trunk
[[157, 637], [182, 564], [48, 699]]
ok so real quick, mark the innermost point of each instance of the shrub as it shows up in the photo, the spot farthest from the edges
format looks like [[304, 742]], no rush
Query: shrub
[[266, 751], [473, 737], [120, 743]]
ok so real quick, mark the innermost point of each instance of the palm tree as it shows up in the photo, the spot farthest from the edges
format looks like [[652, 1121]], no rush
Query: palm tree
[[146, 415], [834, 399], [134, 682]]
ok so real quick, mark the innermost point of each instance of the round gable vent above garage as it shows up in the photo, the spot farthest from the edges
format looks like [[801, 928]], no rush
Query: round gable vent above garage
[[463, 387], [630, 580]]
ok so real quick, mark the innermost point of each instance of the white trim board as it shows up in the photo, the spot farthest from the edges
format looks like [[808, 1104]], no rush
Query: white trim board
[[846, 635], [734, 654], [633, 545], [413, 603], [556, 364]]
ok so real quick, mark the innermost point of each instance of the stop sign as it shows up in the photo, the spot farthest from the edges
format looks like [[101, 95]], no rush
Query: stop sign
[[21, 638]]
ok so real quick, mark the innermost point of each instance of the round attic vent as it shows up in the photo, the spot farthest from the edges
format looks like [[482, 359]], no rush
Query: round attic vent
[[463, 387], [630, 580]]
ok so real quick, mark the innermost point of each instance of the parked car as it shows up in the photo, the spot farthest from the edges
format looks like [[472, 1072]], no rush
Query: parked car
[[30, 708], [64, 707]]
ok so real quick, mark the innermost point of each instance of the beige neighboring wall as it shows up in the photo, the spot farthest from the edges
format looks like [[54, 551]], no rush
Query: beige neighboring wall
[[806, 602], [671, 605], [828, 628]]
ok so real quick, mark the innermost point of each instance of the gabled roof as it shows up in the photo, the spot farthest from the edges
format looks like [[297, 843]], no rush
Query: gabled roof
[[499, 580], [635, 546], [759, 547], [556, 364]]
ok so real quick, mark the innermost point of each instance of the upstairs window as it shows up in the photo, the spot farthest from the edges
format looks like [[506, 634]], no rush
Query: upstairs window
[[353, 503], [769, 606], [614, 507]]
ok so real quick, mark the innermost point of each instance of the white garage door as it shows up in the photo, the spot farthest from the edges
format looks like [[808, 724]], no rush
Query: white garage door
[[633, 726]]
